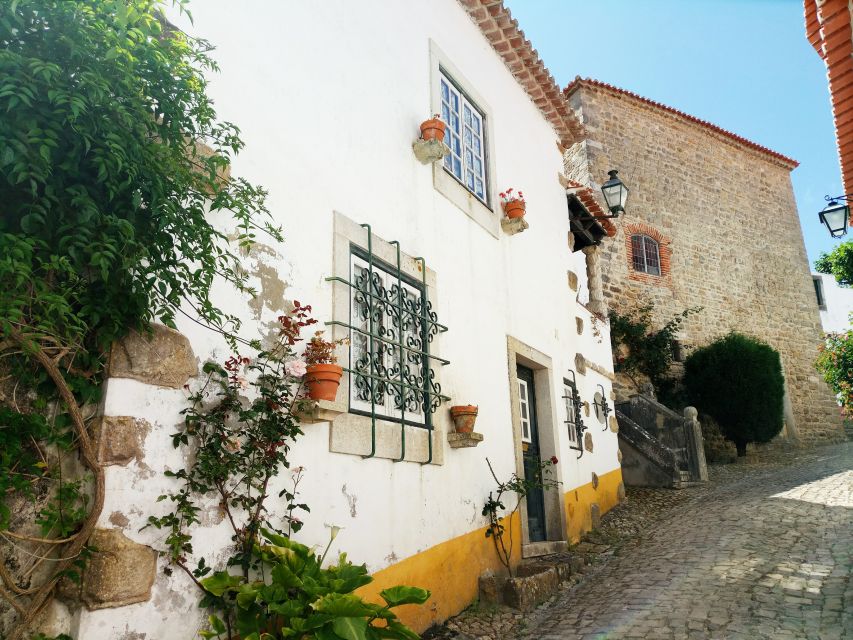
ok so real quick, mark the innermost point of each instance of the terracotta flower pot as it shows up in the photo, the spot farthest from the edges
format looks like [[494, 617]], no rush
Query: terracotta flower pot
[[323, 380], [464, 417], [433, 129], [514, 208]]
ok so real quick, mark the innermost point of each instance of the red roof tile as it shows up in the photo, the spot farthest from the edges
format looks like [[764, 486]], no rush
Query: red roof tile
[[828, 28], [588, 199], [522, 60], [589, 82]]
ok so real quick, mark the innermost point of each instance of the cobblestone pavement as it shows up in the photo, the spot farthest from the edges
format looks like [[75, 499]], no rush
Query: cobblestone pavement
[[764, 551]]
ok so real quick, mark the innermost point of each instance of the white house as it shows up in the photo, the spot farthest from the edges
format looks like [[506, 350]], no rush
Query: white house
[[834, 301], [329, 96]]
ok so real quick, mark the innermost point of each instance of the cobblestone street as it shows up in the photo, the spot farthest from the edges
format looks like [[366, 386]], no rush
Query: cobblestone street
[[765, 553]]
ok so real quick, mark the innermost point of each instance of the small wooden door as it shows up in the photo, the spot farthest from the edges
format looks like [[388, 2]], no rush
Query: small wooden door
[[530, 453]]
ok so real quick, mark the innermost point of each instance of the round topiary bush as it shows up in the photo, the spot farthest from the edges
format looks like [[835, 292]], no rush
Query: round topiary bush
[[738, 381]]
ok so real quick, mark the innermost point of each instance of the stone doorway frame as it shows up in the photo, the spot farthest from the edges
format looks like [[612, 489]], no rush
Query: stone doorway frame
[[543, 381]]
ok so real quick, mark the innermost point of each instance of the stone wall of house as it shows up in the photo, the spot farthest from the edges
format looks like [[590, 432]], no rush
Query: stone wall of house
[[727, 221]]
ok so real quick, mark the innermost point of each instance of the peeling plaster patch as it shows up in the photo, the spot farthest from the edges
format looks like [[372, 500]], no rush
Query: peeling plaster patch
[[266, 268], [132, 635], [351, 499], [119, 519], [391, 558]]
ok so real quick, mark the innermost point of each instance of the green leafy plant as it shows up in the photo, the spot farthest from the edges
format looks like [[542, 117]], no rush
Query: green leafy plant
[[738, 381], [298, 597], [838, 263], [520, 488], [640, 350], [116, 209], [835, 364]]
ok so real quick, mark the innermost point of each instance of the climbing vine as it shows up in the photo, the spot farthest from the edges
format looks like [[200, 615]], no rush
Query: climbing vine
[[520, 488], [640, 350], [113, 169]]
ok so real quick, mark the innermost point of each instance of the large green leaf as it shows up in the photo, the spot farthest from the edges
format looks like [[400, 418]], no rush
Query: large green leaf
[[350, 628], [396, 631], [220, 582], [395, 596], [346, 605]]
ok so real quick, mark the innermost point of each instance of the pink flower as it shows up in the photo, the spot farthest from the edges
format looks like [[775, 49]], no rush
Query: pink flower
[[295, 368]]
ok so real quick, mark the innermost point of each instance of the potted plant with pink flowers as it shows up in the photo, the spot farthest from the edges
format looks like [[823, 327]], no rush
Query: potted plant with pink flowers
[[513, 203]]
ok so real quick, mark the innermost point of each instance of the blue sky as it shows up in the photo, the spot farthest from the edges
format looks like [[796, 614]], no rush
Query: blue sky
[[744, 65]]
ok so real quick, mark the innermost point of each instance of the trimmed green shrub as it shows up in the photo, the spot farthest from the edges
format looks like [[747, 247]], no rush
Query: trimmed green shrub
[[738, 381]]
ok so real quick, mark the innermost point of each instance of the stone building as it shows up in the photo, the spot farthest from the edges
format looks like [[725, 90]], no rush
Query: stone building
[[711, 222]]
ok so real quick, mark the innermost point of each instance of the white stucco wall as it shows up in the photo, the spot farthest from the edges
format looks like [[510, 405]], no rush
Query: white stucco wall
[[328, 96], [838, 302]]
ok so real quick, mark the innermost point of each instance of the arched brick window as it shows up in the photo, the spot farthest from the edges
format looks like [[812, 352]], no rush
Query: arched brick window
[[645, 254], [649, 254]]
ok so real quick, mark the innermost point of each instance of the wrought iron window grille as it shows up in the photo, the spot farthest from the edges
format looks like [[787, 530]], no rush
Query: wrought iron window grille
[[603, 406], [578, 425], [397, 326]]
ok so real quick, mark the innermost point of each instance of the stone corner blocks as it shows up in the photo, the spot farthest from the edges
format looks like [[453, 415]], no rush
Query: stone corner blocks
[[120, 439], [165, 358], [120, 571]]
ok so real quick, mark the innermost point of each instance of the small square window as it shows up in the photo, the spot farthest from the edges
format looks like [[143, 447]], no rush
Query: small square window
[[464, 137]]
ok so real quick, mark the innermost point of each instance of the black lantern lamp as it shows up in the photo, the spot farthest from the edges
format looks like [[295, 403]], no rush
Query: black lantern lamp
[[615, 193], [603, 406], [835, 215]]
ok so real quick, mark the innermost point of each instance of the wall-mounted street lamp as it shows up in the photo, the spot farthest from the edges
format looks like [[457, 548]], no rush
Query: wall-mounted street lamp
[[615, 194], [835, 215]]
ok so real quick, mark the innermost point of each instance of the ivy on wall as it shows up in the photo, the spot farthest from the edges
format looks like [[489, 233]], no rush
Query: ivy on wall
[[641, 351], [113, 166]]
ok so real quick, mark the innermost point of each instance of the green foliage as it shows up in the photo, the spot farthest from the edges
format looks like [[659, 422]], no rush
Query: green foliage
[[738, 381], [116, 210], [835, 364], [106, 194], [299, 598], [838, 263], [641, 350], [520, 487]]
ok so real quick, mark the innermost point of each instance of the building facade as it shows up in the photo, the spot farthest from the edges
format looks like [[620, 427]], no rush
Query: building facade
[[834, 302], [692, 237], [329, 97]]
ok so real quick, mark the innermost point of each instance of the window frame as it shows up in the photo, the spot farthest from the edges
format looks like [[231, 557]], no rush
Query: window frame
[[466, 101], [571, 412], [486, 212], [351, 433], [645, 239], [362, 407], [819, 292]]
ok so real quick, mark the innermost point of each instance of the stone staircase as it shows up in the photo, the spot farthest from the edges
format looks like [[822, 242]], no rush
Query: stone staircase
[[659, 447]]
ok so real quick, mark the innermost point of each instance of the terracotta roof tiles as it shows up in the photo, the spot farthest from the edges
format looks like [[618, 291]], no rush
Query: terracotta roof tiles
[[828, 28], [522, 60], [589, 82]]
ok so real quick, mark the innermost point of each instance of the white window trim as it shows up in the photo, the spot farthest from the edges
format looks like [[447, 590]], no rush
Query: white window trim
[[568, 405], [486, 215], [524, 407], [477, 135], [350, 433]]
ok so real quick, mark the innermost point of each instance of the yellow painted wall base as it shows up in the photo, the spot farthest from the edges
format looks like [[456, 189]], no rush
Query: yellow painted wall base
[[451, 569], [579, 500]]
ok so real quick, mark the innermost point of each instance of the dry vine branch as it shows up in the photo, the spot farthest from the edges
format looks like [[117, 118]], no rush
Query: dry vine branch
[[90, 458]]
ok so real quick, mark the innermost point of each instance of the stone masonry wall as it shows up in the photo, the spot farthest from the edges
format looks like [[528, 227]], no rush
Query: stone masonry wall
[[735, 242]]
